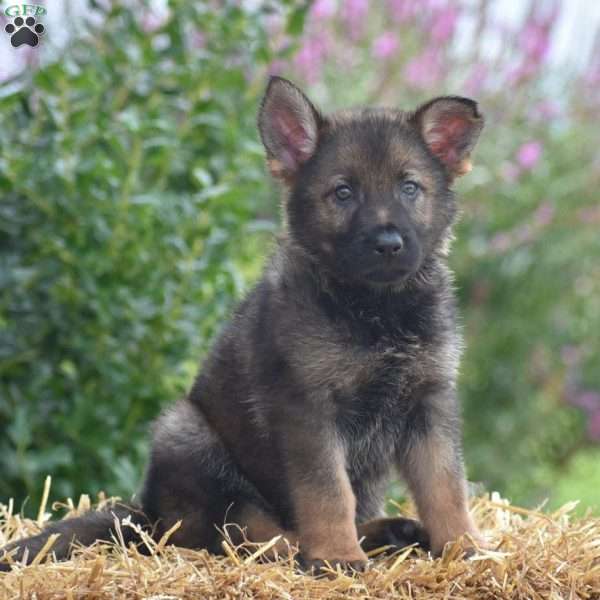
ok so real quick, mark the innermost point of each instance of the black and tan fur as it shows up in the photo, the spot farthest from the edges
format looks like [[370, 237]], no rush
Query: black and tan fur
[[340, 365]]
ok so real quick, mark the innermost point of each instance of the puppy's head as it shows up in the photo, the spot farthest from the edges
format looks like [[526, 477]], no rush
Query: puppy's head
[[369, 190]]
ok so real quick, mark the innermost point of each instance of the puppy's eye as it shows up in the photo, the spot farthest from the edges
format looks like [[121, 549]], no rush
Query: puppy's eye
[[343, 193], [409, 189]]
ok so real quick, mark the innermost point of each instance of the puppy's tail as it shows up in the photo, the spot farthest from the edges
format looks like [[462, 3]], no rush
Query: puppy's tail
[[85, 530]]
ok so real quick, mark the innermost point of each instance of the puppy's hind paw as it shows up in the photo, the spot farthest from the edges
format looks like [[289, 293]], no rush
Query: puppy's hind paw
[[393, 533]]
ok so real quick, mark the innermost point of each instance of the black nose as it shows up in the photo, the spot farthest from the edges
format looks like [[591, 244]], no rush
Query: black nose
[[388, 243]]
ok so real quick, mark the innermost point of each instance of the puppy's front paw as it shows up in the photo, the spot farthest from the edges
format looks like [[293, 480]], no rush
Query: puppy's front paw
[[319, 566], [318, 560]]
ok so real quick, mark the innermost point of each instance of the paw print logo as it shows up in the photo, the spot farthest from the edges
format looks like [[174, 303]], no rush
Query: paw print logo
[[24, 31]]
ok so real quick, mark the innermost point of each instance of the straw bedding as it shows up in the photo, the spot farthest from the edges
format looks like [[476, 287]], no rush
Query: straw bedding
[[535, 555]]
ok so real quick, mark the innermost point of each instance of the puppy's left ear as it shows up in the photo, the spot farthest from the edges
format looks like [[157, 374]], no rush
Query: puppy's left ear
[[289, 127], [450, 126]]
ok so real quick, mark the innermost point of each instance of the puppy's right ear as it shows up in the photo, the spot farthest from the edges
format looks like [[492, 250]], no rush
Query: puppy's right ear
[[289, 127]]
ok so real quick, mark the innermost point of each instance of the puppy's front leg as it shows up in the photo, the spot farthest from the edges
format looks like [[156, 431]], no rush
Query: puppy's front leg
[[323, 501], [433, 468]]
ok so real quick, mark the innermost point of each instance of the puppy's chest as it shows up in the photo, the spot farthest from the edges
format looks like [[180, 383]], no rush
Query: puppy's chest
[[387, 364], [390, 363], [373, 411]]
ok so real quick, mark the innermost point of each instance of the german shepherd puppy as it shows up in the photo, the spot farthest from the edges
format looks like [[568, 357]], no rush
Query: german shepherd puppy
[[341, 363]]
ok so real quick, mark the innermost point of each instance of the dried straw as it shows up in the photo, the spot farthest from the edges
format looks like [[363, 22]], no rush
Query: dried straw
[[534, 555]]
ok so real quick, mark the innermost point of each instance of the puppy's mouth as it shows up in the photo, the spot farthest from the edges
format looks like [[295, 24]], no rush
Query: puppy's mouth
[[388, 275]]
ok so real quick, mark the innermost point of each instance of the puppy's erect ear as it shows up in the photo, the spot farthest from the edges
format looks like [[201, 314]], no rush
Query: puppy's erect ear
[[289, 126], [450, 126]]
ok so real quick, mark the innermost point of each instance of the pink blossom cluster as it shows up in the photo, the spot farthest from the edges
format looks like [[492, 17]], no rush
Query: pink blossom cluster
[[534, 41], [525, 233], [421, 43], [526, 159], [589, 402]]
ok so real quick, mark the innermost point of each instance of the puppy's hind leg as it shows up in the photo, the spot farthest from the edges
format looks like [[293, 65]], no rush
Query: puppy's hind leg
[[192, 478], [187, 479]]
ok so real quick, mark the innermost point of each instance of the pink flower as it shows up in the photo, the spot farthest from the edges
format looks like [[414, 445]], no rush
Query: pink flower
[[323, 9], [548, 12], [153, 20], [277, 67], [424, 70], [476, 79], [524, 234], [402, 10], [535, 41], [510, 172], [529, 154], [501, 242], [592, 76], [274, 24], [198, 39], [544, 214], [522, 71], [444, 24], [545, 110], [570, 354], [355, 12], [590, 214], [593, 428], [385, 45], [309, 59], [589, 400]]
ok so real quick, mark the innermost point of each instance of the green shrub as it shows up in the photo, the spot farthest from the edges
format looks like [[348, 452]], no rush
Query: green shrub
[[131, 176]]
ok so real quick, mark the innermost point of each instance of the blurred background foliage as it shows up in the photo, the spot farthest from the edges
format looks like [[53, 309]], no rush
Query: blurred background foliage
[[135, 209]]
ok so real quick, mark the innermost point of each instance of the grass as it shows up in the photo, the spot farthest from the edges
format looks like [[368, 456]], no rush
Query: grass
[[535, 555]]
